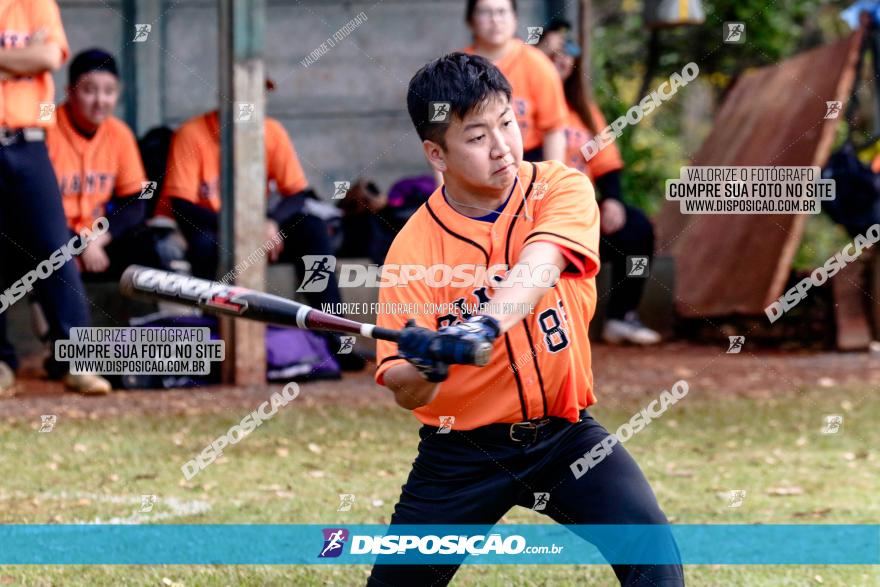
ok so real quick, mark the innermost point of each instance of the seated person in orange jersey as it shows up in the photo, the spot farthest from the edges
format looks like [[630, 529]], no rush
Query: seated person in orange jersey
[[191, 195], [538, 101], [99, 169], [625, 230]]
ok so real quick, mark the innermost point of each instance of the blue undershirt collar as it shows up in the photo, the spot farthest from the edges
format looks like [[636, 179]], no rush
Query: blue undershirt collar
[[491, 216]]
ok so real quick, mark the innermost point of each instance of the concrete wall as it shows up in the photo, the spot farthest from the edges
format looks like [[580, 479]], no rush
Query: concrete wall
[[346, 112]]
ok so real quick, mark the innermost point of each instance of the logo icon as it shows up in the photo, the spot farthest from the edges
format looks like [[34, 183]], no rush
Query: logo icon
[[334, 539], [833, 422], [148, 188], [439, 111], [539, 190], [736, 344], [47, 111], [47, 422], [734, 32], [636, 266], [346, 345], [228, 299], [735, 498], [141, 32], [319, 268], [244, 111], [541, 500], [340, 188], [346, 500], [446, 423], [534, 34], [147, 502], [832, 109]]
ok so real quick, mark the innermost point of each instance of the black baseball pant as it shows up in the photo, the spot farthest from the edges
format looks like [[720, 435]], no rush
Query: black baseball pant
[[32, 227], [635, 237], [463, 478]]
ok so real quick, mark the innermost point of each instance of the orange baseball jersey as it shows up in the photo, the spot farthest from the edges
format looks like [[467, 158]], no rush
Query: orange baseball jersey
[[537, 99], [193, 171], [541, 366], [91, 171], [576, 136], [21, 98]]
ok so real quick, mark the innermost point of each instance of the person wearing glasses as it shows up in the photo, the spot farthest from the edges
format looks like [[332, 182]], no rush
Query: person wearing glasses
[[538, 100]]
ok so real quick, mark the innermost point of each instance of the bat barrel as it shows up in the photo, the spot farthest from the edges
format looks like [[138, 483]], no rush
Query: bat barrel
[[138, 281]]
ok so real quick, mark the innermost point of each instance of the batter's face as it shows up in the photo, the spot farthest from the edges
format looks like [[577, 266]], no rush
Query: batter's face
[[93, 98], [493, 22], [483, 150]]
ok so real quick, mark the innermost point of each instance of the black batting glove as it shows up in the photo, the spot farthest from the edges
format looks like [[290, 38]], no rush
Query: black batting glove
[[416, 346], [457, 343]]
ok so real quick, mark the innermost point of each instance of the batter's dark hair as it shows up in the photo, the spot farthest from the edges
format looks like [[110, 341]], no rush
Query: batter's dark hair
[[472, 6], [465, 82]]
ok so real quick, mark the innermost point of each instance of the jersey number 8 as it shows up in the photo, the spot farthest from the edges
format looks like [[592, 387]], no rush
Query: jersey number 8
[[555, 337]]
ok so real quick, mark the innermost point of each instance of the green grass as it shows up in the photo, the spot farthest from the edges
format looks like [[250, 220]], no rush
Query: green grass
[[291, 470]]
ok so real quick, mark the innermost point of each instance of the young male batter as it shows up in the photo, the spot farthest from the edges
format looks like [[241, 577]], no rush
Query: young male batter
[[520, 421]]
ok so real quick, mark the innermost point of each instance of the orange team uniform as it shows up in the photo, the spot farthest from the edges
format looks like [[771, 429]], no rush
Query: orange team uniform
[[537, 99], [576, 136], [91, 171], [21, 98], [193, 172], [549, 348]]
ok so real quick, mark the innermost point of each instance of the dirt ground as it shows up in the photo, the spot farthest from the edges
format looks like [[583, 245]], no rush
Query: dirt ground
[[620, 373]]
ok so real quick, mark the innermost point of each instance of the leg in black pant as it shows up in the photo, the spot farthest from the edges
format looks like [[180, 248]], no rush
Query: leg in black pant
[[307, 235], [33, 224], [202, 253], [613, 492], [636, 237], [452, 481]]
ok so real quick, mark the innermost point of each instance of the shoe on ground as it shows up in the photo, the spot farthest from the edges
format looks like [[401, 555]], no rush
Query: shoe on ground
[[7, 377], [87, 384], [629, 331]]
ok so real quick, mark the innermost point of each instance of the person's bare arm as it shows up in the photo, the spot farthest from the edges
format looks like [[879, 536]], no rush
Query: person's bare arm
[[410, 390], [511, 304], [554, 145], [37, 57]]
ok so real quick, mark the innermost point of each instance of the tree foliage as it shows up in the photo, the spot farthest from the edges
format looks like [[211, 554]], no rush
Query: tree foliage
[[654, 150]]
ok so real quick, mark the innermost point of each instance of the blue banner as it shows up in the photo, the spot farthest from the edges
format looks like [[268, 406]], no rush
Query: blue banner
[[795, 544]]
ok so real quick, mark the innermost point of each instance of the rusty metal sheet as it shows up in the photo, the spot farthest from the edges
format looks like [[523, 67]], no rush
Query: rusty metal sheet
[[737, 264], [851, 321]]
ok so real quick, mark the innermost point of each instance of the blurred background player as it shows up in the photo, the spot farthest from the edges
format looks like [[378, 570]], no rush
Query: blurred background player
[[32, 224], [99, 169], [191, 195], [372, 218], [538, 101], [625, 230]]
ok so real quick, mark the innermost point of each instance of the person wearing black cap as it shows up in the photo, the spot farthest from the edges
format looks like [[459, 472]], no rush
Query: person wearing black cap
[[625, 230], [32, 225]]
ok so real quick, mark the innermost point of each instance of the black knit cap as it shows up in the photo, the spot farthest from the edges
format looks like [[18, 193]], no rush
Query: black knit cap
[[91, 60]]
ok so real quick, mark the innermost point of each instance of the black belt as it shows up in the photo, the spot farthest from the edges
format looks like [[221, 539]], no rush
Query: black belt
[[520, 433], [31, 134]]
